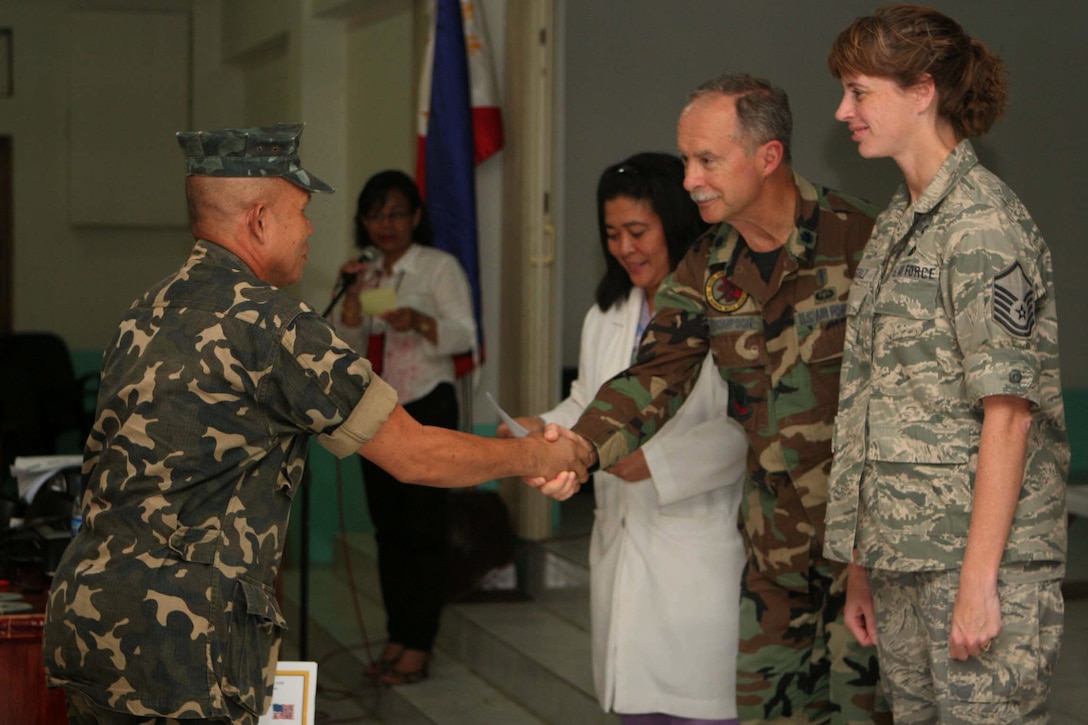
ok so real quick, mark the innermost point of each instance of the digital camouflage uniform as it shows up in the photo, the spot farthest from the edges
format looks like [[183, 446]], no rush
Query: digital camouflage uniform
[[779, 344], [210, 391], [953, 302]]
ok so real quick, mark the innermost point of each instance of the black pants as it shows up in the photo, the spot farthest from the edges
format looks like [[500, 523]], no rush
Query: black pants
[[410, 528]]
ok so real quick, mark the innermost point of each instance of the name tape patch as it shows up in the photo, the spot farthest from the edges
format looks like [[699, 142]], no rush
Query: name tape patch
[[737, 323], [910, 270], [827, 313]]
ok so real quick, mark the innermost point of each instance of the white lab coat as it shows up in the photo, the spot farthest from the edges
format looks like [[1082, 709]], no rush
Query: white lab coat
[[665, 556]]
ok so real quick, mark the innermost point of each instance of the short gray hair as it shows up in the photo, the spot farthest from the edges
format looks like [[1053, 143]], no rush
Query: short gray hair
[[763, 110]]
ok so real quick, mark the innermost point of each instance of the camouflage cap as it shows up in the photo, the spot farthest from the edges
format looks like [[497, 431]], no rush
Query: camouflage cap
[[249, 152]]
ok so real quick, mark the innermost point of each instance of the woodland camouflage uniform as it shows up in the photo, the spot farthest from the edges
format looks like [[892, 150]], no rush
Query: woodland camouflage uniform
[[779, 344]]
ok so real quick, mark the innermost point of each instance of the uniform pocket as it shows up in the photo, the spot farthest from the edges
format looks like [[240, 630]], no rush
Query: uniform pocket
[[195, 544], [737, 345], [737, 341], [255, 626], [824, 344], [821, 332], [914, 299], [925, 475], [1015, 671], [920, 442]]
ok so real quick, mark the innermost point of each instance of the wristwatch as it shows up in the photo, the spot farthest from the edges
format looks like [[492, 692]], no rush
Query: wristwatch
[[423, 324]]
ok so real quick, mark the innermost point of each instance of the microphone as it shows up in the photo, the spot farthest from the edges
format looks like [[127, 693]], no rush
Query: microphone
[[347, 279]]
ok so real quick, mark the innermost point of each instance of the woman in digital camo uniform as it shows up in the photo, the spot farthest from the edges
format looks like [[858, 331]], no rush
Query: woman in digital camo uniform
[[947, 488]]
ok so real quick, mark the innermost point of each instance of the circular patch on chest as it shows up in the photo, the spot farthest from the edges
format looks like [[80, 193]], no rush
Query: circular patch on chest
[[723, 295]]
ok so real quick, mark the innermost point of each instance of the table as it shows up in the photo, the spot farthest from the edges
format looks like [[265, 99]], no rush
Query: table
[[26, 699]]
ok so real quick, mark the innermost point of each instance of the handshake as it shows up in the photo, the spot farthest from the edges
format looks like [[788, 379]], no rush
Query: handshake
[[566, 457], [551, 458]]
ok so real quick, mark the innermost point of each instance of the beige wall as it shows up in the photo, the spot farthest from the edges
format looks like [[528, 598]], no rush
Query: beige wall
[[77, 279], [381, 98], [629, 65], [74, 280], [347, 68]]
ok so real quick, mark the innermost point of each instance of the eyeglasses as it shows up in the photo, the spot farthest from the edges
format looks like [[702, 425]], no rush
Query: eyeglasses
[[396, 216]]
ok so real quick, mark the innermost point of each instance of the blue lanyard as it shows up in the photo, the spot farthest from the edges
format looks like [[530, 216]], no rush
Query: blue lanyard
[[643, 323]]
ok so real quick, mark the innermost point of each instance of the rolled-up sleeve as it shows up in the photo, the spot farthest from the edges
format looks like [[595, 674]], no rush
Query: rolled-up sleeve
[[364, 421]]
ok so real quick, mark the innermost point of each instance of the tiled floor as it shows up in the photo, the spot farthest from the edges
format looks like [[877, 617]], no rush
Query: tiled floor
[[336, 704], [1070, 691], [1069, 698]]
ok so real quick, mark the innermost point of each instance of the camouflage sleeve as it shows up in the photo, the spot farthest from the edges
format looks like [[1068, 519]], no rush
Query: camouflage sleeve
[[994, 288], [320, 384], [631, 407]]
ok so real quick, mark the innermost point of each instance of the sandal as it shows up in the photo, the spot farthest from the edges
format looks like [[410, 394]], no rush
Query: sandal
[[380, 668], [399, 677], [384, 665]]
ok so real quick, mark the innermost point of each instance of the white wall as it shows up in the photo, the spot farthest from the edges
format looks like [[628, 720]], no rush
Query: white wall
[[629, 65]]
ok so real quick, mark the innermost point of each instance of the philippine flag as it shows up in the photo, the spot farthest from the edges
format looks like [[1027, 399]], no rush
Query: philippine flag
[[460, 125]]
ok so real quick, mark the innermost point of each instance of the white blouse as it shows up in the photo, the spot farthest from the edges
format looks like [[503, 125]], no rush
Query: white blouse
[[432, 282]]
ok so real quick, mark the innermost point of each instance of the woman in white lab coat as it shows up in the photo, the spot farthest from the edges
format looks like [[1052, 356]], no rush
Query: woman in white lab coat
[[666, 555]]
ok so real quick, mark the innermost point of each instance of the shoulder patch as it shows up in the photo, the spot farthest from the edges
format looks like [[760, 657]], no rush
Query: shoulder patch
[[1014, 301]]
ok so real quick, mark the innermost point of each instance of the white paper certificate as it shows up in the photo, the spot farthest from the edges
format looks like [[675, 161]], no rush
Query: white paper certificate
[[378, 300], [516, 429]]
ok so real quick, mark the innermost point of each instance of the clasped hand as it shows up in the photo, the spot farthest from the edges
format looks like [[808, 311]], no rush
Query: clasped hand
[[562, 445]]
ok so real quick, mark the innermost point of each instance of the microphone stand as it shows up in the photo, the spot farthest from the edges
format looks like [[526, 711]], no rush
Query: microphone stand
[[304, 548], [344, 282], [341, 290], [304, 570], [347, 280]]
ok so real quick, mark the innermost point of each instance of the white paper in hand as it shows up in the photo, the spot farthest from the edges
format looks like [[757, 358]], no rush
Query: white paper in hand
[[516, 429]]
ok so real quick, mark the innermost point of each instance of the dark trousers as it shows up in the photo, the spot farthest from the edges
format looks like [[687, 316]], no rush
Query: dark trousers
[[411, 531]]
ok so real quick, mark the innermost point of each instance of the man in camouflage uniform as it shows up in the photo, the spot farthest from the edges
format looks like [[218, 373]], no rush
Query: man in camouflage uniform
[[952, 326], [163, 607], [766, 291]]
